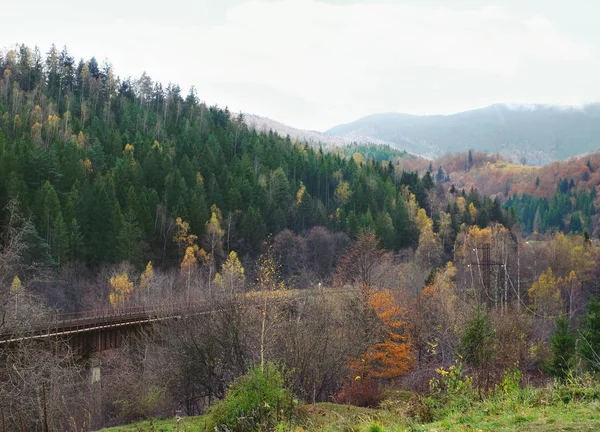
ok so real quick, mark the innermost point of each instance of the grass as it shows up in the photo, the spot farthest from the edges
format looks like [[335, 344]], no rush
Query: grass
[[564, 417], [522, 410], [186, 424]]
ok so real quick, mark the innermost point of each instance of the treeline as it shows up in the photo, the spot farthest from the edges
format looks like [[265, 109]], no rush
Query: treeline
[[104, 166], [379, 152], [569, 210]]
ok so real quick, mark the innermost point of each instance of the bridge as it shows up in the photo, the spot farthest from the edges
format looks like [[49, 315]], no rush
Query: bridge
[[99, 330]]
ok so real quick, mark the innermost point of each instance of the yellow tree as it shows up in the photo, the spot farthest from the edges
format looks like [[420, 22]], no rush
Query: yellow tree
[[422, 220], [473, 212], [232, 275], [343, 193], [428, 253], [188, 264], [213, 240], [270, 283], [146, 278], [461, 203], [36, 133], [16, 289], [300, 194], [571, 287], [477, 237], [214, 231], [121, 290], [183, 237], [446, 230], [81, 140], [545, 293]]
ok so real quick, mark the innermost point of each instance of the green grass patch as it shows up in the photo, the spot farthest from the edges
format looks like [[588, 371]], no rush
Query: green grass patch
[[186, 424], [528, 409]]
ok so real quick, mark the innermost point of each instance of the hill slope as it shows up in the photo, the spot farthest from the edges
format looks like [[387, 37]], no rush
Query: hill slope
[[264, 124], [539, 133]]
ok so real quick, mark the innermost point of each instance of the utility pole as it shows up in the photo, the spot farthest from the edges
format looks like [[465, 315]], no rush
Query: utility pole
[[485, 265]]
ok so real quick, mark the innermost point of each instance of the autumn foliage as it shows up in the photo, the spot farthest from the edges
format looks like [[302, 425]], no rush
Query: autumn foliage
[[387, 357], [121, 290], [390, 355]]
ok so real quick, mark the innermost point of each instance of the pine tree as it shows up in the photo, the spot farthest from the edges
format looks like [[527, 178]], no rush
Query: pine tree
[[562, 344]]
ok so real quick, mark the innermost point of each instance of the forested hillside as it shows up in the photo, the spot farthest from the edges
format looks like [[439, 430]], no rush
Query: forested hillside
[[343, 275], [105, 166], [562, 196]]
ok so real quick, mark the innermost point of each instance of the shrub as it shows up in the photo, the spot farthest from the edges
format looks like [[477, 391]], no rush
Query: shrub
[[258, 400], [359, 392], [421, 409], [452, 381], [511, 382]]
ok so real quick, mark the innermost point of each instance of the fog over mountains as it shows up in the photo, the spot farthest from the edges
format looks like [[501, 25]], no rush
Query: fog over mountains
[[536, 133]]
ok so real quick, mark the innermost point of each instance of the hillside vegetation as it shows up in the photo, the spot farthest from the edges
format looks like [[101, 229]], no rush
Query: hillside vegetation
[[559, 196], [349, 276]]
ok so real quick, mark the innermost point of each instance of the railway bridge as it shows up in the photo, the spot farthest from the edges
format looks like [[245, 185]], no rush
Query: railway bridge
[[98, 330]]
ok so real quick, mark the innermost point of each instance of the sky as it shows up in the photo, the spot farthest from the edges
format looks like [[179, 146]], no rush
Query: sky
[[313, 64]]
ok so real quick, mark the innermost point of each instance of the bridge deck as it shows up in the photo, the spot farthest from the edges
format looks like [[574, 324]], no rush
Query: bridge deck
[[97, 320]]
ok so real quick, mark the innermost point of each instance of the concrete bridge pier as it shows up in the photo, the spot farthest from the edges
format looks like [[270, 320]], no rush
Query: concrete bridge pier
[[94, 368]]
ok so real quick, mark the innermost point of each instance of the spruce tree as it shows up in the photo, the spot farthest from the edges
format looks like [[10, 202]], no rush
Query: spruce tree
[[475, 344], [562, 345]]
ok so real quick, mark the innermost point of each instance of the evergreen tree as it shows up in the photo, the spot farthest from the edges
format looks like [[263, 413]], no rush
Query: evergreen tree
[[440, 176], [475, 345], [562, 345], [588, 342], [75, 242]]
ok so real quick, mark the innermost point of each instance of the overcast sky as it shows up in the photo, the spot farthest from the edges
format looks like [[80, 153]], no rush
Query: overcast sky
[[317, 63]]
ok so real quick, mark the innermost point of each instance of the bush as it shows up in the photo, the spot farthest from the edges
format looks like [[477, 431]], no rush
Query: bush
[[362, 393], [452, 381], [511, 382], [421, 409], [258, 400]]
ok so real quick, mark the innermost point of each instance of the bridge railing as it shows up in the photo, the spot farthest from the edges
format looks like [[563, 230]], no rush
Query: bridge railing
[[74, 321]]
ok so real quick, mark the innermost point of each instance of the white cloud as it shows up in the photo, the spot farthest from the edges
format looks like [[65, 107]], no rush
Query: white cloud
[[314, 64]]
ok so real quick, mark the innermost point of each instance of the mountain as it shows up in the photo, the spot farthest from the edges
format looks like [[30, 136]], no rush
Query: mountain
[[538, 133], [264, 124]]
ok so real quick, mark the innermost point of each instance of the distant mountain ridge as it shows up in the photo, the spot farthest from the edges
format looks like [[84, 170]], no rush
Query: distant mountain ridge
[[264, 124], [538, 134]]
